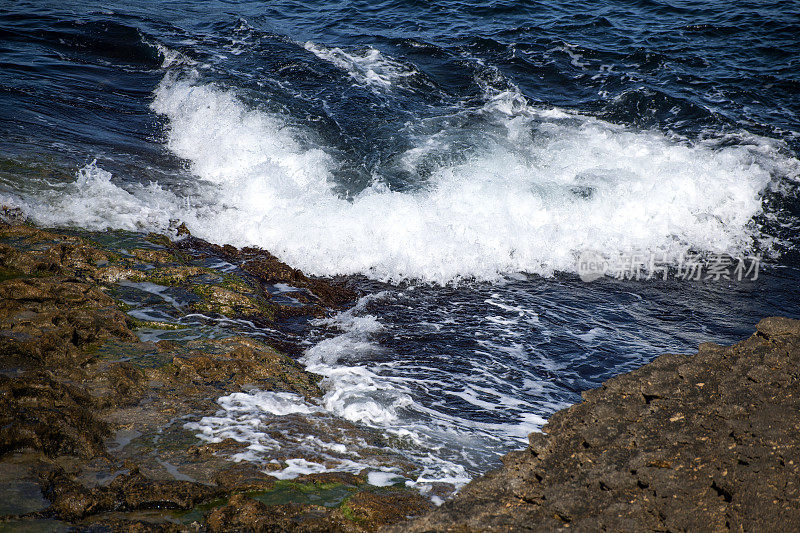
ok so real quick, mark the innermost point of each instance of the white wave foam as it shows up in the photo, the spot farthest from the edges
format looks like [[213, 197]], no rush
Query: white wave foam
[[376, 394], [94, 202], [539, 188], [170, 57], [254, 419], [551, 186], [368, 67], [357, 390], [276, 403]]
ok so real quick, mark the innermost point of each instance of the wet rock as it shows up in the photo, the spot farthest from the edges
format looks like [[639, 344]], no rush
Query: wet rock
[[19, 484], [244, 477], [268, 269], [44, 320], [174, 275], [688, 442], [94, 419], [138, 492], [246, 514], [364, 510], [234, 362], [371, 510], [12, 215], [31, 251], [117, 273], [219, 300], [342, 478], [182, 230], [71, 500], [117, 385], [151, 256], [40, 413], [124, 524]]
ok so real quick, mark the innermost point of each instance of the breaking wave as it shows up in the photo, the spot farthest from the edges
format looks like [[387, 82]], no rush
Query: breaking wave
[[535, 188]]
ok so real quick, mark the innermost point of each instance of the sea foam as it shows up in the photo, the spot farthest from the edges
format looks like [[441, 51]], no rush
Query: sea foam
[[367, 67], [539, 187]]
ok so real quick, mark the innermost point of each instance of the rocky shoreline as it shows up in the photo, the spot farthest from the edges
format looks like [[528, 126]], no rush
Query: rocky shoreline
[[702, 442], [99, 372], [92, 416]]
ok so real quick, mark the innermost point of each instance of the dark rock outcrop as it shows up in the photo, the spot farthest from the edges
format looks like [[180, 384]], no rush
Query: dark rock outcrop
[[701, 442]]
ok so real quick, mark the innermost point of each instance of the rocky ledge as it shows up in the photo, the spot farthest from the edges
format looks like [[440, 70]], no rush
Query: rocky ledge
[[100, 370], [701, 442]]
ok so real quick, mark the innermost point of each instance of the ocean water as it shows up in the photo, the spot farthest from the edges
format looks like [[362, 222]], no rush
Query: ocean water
[[455, 159]]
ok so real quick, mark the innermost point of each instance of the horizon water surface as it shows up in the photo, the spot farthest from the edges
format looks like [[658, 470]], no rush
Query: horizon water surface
[[454, 159]]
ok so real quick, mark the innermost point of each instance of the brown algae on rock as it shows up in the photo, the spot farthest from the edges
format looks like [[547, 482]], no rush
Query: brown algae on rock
[[94, 417]]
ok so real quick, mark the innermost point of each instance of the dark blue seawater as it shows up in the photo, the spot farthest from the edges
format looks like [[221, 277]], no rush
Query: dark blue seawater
[[455, 158]]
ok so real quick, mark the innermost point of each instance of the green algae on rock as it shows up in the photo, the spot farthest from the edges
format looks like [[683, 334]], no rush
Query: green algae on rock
[[92, 417]]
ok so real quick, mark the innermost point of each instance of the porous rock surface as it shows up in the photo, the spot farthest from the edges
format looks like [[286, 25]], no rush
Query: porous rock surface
[[701, 442]]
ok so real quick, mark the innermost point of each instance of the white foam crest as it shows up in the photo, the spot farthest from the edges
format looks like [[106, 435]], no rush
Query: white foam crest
[[354, 391], [383, 479], [231, 145], [530, 198], [299, 467], [94, 202], [530, 201], [170, 57], [254, 418], [276, 403], [368, 67]]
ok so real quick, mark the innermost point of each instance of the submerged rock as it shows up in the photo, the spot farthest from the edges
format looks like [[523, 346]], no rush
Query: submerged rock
[[702, 442], [363, 510], [246, 514], [239, 361], [375, 509]]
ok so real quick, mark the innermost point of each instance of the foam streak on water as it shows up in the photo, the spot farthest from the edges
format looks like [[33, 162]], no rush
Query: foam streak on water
[[367, 67], [378, 393]]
